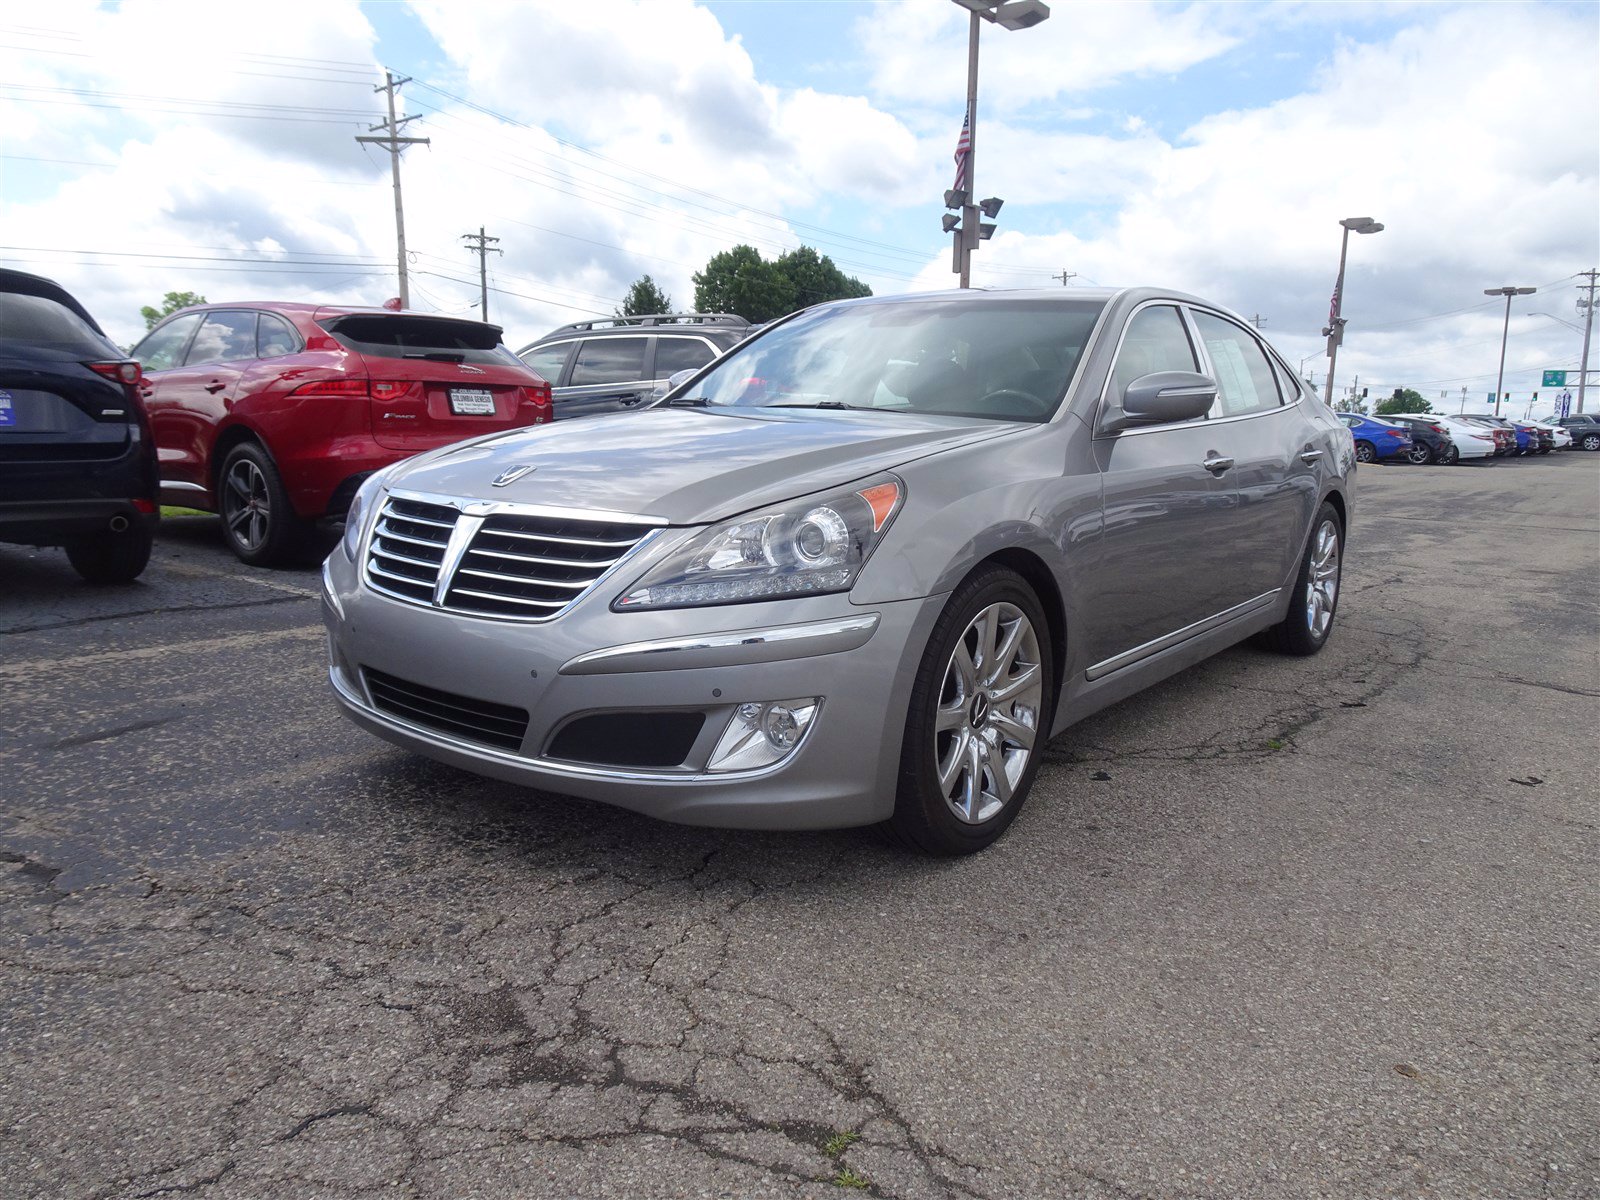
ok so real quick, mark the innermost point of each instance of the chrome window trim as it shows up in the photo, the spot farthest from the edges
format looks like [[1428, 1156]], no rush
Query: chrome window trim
[[734, 647], [1197, 345]]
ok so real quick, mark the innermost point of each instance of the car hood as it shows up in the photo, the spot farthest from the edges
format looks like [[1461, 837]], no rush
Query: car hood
[[687, 466]]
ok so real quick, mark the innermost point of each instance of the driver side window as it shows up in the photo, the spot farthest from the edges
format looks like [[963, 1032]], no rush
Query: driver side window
[[1156, 340]]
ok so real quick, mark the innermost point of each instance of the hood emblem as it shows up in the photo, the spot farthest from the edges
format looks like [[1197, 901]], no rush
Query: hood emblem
[[471, 370], [512, 474]]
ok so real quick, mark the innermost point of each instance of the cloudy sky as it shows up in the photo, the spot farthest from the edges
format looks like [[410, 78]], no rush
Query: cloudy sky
[[161, 145]]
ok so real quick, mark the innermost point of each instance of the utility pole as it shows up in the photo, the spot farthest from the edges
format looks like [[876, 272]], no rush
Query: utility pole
[[479, 243], [394, 143], [1588, 324], [1258, 320], [1064, 276]]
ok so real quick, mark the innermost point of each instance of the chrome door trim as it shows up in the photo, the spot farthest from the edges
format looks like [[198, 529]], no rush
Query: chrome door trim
[[1128, 657], [736, 647], [177, 485]]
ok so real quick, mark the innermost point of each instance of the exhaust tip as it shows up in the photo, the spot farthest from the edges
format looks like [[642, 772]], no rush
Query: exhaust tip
[[119, 524]]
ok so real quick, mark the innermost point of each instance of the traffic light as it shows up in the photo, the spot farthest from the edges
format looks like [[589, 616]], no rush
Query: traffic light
[[1363, 393]]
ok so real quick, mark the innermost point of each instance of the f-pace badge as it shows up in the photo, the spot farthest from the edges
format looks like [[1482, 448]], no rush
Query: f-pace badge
[[512, 474]]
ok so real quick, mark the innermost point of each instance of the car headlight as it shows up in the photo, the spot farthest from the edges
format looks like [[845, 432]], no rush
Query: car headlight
[[802, 548], [355, 518]]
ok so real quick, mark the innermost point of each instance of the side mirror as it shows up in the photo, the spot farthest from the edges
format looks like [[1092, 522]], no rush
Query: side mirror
[[674, 381], [1161, 398]]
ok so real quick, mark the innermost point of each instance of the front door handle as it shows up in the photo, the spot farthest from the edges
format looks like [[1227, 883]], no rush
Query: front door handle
[[214, 387], [1310, 456], [1217, 464]]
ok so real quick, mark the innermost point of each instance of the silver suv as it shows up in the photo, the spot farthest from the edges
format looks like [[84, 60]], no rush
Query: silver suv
[[616, 363]]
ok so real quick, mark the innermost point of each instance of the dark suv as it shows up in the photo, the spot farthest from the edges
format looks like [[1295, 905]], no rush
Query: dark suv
[[77, 464], [617, 363], [1585, 431]]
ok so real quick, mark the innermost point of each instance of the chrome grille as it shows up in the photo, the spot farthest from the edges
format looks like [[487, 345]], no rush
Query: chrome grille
[[407, 548], [532, 567]]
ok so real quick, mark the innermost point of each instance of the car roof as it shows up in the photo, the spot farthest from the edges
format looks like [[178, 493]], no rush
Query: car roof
[[22, 283]]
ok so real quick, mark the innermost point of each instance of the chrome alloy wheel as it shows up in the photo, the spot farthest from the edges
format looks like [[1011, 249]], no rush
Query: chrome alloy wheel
[[1419, 454], [987, 720], [1322, 580], [245, 504]]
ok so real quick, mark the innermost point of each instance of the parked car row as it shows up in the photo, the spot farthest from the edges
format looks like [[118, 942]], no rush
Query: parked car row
[[1423, 438]]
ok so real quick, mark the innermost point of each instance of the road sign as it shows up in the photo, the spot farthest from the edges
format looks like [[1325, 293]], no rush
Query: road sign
[[1555, 379]]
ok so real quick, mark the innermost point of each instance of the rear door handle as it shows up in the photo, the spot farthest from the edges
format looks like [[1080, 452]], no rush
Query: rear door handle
[[1217, 464], [1310, 456], [215, 387]]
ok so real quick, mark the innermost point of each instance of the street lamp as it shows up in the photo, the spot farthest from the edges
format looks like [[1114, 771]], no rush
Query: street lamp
[[1015, 14], [1335, 330], [1505, 328]]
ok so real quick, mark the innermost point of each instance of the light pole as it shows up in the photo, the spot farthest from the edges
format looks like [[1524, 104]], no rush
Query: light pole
[[1017, 14], [1505, 329], [1335, 330]]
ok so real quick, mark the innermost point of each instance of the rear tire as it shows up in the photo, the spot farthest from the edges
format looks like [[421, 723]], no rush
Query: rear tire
[[108, 557], [1591, 441], [978, 718], [258, 523], [1315, 598], [1421, 454], [1365, 453]]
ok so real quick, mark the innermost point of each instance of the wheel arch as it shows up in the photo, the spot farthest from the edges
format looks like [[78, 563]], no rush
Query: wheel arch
[[233, 435], [1038, 576]]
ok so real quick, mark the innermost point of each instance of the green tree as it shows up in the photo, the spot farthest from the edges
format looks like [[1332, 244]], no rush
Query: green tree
[[741, 281], [1404, 400], [816, 279], [170, 303], [644, 299]]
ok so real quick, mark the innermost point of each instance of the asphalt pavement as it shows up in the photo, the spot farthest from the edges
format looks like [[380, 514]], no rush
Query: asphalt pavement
[[1275, 928]]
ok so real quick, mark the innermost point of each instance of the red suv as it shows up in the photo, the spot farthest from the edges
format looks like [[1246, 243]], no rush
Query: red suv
[[272, 414]]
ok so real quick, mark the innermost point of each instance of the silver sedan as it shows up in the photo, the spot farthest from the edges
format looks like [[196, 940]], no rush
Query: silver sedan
[[859, 570]]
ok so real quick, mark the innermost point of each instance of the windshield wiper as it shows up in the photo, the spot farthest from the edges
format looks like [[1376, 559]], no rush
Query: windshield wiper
[[436, 356], [686, 402], [818, 404]]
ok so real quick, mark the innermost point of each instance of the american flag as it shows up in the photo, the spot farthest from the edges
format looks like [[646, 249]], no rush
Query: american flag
[[1333, 305], [963, 150]]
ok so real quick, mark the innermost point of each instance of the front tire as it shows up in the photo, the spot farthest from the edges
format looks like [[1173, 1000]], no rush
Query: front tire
[[108, 557], [978, 717], [1316, 590], [1420, 454], [1450, 457], [1365, 453], [258, 523]]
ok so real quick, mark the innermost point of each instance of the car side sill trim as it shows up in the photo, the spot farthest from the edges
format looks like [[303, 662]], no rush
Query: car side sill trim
[[736, 647], [177, 485], [1128, 657]]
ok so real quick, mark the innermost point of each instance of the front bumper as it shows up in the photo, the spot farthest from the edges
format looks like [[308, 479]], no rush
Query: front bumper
[[860, 660]]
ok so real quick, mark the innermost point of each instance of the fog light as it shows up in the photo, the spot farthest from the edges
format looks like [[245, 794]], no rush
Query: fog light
[[759, 735]]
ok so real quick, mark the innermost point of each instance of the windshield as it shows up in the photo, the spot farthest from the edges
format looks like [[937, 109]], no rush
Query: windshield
[[1004, 360]]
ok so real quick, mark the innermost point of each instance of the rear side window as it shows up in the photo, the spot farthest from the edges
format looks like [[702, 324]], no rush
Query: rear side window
[[609, 360], [546, 361], [163, 349], [275, 337], [402, 335], [224, 337], [1156, 341], [674, 354], [46, 323], [1245, 383]]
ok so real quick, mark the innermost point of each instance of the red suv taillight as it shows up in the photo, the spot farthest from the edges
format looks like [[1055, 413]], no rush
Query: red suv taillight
[[332, 387], [539, 397], [122, 372]]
